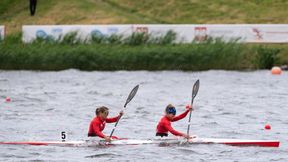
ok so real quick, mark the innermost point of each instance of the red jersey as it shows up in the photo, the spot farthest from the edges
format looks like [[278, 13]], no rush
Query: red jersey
[[164, 125], [97, 125]]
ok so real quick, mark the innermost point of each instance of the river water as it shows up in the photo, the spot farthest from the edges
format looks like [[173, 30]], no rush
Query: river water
[[229, 104]]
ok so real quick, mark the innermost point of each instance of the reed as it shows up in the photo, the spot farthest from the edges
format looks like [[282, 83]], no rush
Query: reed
[[137, 52]]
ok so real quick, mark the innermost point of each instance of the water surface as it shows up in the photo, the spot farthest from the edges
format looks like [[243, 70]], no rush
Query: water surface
[[229, 104]]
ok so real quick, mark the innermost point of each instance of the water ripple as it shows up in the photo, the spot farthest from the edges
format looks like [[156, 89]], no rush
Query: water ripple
[[229, 104]]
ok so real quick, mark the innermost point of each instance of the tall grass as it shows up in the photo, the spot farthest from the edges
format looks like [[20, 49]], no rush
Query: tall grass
[[137, 52], [266, 57], [135, 39]]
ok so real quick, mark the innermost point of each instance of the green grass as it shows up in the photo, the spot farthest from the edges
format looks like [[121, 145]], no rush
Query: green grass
[[138, 55], [15, 13]]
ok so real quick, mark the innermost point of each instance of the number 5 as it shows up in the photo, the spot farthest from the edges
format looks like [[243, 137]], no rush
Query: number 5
[[63, 136]]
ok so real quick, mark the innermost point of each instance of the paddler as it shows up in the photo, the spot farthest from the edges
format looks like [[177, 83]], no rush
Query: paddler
[[164, 125], [97, 125]]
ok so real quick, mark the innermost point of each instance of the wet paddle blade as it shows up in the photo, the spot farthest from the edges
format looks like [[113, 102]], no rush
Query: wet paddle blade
[[131, 95], [194, 93], [195, 90]]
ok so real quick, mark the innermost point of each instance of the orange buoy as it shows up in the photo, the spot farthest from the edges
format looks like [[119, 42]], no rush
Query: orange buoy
[[276, 70], [267, 127], [8, 99]]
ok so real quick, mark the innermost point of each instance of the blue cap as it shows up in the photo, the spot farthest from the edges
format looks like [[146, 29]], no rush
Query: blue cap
[[171, 110]]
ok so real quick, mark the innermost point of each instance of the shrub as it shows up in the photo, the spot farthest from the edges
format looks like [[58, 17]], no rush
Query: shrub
[[266, 57]]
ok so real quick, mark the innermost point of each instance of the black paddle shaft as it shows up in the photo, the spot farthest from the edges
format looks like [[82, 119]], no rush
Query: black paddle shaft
[[194, 93], [130, 97]]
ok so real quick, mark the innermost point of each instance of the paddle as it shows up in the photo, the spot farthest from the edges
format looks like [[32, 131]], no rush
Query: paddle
[[194, 93], [130, 97]]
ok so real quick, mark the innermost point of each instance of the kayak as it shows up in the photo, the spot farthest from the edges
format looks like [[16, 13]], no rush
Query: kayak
[[232, 142]]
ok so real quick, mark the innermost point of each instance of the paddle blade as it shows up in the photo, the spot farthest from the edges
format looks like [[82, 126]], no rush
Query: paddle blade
[[195, 89], [132, 94], [194, 93]]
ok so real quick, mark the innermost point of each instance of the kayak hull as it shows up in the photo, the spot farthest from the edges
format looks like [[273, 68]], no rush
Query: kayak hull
[[232, 142]]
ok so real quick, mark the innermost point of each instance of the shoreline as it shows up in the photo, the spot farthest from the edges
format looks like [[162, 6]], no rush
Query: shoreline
[[72, 54]]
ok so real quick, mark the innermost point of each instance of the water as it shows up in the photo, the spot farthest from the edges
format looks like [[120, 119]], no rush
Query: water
[[228, 105]]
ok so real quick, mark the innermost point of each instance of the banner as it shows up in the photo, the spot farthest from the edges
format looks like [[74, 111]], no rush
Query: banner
[[2, 32], [246, 33], [84, 32], [225, 32], [267, 33], [184, 33]]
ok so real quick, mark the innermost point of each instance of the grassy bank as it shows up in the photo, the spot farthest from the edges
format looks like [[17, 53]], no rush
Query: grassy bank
[[15, 13], [137, 54]]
